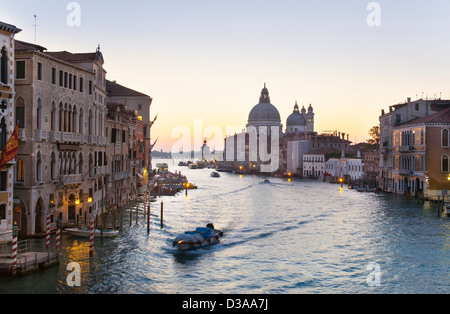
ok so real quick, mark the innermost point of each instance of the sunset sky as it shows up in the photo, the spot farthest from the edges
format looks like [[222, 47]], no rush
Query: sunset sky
[[209, 59]]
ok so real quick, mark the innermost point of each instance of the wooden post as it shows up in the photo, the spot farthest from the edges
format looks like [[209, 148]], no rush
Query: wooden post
[[148, 217], [162, 214], [102, 223]]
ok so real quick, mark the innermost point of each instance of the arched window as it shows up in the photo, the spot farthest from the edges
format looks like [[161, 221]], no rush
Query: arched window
[[20, 112], [38, 167], [90, 125], [445, 164], [53, 167], [81, 122], [53, 117], [80, 164], [74, 119], [3, 133], [91, 166], [4, 66], [61, 117], [20, 171], [39, 115], [444, 138]]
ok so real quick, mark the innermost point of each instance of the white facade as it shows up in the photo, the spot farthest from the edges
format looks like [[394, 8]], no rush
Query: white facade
[[295, 153], [314, 165], [7, 126], [353, 168]]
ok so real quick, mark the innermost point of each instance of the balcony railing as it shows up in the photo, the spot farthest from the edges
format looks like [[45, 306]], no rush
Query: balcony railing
[[71, 179], [404, 149], [40, 135], [55, 136], [22, 135], [405, 172]]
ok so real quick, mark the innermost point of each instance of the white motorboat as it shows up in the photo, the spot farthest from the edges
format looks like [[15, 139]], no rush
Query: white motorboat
[[215, 174], [265, 180], [85, 232]]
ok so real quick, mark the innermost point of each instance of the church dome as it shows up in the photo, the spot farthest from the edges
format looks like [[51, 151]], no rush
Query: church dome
[[264, 113], [296, 118]]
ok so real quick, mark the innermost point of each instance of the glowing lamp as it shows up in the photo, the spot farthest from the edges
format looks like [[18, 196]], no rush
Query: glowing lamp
[[90, 200], [77, 202]]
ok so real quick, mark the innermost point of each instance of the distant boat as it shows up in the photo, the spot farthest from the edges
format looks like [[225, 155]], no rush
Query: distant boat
[[182, 164], [265, 180], [192, 166], [190, 186], [153, 199], [215, 174]]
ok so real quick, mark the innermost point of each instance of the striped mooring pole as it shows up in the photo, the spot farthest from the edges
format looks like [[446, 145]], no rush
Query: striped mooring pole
[[58, 234], [14, 250], [91, 237], [47, 241]]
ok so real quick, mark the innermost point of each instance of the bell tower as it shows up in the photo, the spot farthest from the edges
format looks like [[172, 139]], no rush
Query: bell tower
[[310, 120]]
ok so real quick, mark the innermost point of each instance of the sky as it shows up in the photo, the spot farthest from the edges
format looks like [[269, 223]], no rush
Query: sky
[[209, 59]]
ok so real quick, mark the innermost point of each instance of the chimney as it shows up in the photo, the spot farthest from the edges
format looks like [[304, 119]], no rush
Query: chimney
[[409, 100], [343, 136], [348, 137]]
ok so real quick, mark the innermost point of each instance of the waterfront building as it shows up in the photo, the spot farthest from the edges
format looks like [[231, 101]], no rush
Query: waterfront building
[[370, 160], [61, 111], [7, 126], [139, 104], [125, 155], [421, 154], [348, 169], [398, 115]]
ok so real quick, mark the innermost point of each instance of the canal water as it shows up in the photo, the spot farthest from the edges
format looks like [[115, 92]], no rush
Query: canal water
[[283, 237]]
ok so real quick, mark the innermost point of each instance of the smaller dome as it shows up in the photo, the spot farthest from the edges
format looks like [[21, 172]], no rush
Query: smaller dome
[[296, 118]]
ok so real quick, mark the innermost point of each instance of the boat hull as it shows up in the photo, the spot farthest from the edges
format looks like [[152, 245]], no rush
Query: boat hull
[[86, 233], [200, 245]]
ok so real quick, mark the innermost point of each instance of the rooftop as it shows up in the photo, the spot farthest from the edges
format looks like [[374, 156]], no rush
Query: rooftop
[[439, 117], [117, 90]]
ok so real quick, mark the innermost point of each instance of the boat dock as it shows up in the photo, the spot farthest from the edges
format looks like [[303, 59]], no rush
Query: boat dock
[[29, 259]]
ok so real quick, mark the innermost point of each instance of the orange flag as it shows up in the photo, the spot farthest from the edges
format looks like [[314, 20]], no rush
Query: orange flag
[[10, 150]]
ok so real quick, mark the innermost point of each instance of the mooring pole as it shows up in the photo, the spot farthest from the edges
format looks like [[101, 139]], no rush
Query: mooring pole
[[162, 214]]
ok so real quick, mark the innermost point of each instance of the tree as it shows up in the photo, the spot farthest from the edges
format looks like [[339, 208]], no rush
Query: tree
[[374, 133]]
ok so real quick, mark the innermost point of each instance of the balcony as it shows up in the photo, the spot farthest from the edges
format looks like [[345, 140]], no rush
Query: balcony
[[40, 135], [92, 139], [102, 170], [55, 136], [406, 172], [3, 225], [22, 135], [72, 179], [71, 137], [405, 149], [120, 176]]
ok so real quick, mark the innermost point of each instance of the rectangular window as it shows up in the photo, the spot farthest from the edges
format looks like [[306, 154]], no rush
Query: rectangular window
[[70, 81], [65, 79], [39, 71], [53, 76], [3, 181], [90, 87], [61, 78], [20, 116], [75, 78], [20, 70], [81, 85]]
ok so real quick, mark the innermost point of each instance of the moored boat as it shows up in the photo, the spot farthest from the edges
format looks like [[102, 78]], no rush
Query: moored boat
[[201, 238], [85, 232], [265, 180]]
